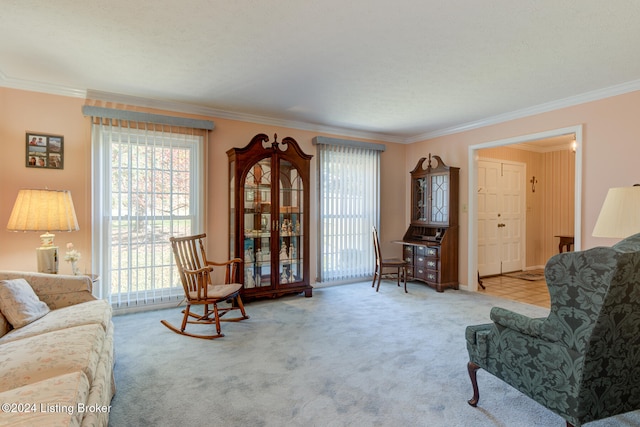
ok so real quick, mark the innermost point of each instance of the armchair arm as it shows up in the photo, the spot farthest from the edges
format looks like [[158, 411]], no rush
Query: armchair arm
[[538, 327]]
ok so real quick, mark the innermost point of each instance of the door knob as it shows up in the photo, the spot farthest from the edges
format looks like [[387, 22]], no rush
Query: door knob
[[501, 225]]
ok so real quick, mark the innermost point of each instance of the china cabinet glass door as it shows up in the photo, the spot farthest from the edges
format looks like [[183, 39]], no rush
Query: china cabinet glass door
[[420, 200], [439, 197], [257, 225], [290, 229]]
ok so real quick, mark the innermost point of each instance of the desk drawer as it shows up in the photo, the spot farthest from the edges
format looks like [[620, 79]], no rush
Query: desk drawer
[[432, 264], [408, 254], [420, 273], [410, 271], [421, 250], [432, 276]]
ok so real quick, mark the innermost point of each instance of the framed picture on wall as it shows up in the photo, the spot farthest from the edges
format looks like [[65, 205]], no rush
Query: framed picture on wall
[[44, 151]]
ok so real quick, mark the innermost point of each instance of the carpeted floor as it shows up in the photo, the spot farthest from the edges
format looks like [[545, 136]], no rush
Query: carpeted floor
[[348, 356]]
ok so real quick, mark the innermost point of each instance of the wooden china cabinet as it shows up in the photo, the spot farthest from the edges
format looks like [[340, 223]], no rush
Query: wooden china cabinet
[[269, 208], [430, 245]]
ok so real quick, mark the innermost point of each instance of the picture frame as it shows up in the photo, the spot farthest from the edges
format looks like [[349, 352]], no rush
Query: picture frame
[[44, 151]]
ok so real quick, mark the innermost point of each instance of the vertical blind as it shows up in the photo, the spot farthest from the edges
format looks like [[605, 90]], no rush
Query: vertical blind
[[349, 201], [148, 186]]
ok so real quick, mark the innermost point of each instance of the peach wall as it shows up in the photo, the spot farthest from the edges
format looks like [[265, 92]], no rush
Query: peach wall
[[610, 153], [23, 110], [609, 157]]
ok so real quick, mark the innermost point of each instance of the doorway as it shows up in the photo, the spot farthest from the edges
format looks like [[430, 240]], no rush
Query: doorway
[[575, 132], [501, 216]]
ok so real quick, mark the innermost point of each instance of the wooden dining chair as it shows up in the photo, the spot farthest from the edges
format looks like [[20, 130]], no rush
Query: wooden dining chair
[[196, 273], [399, 265]]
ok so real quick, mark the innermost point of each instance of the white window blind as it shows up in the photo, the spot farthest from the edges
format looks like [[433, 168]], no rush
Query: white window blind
[[148, 186], [349, 201]]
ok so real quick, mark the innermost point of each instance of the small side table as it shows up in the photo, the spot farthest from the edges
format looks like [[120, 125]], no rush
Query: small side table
[[565, 241]]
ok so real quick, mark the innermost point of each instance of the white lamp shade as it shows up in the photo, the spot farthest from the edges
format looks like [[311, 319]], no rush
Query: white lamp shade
[[620, 213], [43, 210]]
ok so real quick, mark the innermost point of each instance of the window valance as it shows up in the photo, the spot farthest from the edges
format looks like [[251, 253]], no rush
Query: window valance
[[324, 140], [139, 117]]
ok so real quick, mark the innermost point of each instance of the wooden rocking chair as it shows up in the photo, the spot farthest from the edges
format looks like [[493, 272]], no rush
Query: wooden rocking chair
[[196, 276]]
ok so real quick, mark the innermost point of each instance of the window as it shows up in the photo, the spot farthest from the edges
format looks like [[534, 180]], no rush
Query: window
[[349, 201], [147, 188]]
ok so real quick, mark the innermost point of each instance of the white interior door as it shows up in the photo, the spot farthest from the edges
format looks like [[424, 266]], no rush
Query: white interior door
[[501, 216]]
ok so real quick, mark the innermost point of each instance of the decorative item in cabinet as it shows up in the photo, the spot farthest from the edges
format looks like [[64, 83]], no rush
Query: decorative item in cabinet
[[431, 241], [268, 216]]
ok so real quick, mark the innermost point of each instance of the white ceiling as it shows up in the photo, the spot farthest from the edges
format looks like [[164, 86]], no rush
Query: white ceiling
[[400, 71]]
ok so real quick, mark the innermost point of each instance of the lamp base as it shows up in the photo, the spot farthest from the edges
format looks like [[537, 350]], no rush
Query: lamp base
[[47, 259]]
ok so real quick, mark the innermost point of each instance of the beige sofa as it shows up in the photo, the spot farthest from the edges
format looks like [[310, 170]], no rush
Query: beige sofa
[[56, 368]]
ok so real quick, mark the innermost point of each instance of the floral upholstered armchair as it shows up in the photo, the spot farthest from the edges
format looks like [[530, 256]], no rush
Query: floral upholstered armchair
[[583, 360]]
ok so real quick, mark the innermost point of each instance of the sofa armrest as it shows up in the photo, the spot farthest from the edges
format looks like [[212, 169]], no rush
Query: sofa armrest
[[534, 327], [56, 290]]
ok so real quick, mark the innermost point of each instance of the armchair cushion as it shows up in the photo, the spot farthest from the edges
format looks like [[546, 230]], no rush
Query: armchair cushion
[[19, 303]]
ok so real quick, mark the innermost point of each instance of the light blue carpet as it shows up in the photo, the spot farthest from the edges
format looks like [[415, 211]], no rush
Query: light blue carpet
[[348, 356]]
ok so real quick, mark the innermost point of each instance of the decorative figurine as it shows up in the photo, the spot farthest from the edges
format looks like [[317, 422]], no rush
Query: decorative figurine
[[248, 255], [283, 252], [249, 281]]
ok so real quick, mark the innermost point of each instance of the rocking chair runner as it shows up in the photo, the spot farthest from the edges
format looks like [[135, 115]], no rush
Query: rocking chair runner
[[196, 276]]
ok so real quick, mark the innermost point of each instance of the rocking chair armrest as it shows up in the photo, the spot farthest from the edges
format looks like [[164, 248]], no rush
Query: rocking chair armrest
[[534, 327], [223, 263], [198, 271], [232, 269]]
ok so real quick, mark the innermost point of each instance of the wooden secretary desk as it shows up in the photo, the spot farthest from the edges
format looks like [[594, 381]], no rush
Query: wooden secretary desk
[[430, 244]]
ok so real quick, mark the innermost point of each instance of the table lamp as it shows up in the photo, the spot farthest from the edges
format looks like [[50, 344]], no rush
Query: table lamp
[[44, 210], [620, 213]]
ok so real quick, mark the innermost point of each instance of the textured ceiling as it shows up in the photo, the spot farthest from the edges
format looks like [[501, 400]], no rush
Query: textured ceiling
[[400, 70]]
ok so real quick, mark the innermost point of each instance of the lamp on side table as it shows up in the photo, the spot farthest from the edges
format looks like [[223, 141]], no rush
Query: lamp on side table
[[44, 210]]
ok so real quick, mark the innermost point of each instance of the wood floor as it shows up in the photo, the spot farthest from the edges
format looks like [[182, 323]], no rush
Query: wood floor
[[531, 292]]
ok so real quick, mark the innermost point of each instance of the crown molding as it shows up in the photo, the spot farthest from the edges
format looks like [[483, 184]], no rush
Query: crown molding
[[35, 86], [187, 108], [591, 96]]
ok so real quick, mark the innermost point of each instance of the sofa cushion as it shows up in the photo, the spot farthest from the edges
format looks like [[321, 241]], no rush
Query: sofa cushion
[[5, 326], [86, 313], [37, 358], [19, 303], [56, 401]]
